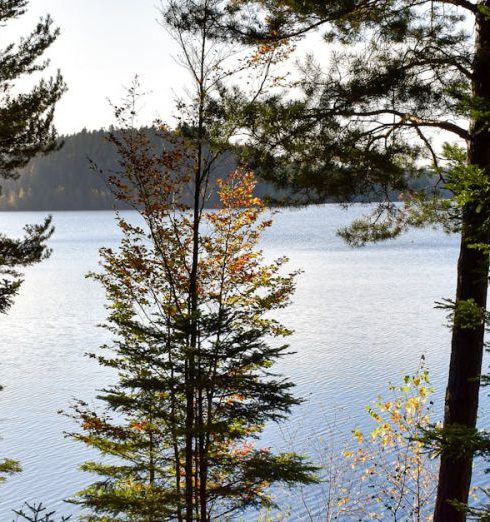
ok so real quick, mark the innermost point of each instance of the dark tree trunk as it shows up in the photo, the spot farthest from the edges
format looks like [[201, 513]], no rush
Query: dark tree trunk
[[190, 453], [461, 406], [463, 383]]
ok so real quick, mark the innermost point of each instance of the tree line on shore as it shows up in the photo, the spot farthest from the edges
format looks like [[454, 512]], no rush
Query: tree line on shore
[[63, 180]]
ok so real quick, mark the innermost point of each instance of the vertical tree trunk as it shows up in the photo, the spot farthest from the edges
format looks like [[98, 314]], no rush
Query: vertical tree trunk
[[190, 454], [192, 473], [467, 344]]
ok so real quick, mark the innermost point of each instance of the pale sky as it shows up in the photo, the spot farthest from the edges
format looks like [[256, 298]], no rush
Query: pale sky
[[103, 44]]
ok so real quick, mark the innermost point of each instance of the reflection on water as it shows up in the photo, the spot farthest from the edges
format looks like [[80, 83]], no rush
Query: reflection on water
[[362, 318]]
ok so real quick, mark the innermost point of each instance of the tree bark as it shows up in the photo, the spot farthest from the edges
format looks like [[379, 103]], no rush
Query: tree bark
[[461, 407]]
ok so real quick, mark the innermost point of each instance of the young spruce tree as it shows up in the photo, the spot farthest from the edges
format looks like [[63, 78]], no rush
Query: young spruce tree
[[190, 302]]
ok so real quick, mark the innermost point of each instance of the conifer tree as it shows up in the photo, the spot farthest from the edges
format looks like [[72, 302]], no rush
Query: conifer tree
[[404, 77], [190, 299], [234, 391], [26, 129]]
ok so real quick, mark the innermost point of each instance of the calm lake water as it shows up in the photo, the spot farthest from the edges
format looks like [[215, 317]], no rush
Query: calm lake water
[[361, 318]]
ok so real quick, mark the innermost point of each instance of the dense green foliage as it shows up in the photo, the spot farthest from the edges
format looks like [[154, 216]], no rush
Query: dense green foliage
[[363, 124], [26, 118], [63, 179]]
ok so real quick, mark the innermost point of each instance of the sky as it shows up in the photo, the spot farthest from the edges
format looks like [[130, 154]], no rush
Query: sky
[[102, 46]]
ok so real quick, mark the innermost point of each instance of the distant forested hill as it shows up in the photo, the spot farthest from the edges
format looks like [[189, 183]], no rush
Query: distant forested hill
[[63, 180]]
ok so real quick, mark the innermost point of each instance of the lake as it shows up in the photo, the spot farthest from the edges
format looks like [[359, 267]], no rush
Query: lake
[[362, 318]]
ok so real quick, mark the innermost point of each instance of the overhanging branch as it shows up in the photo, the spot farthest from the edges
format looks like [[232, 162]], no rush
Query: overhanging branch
[[412, 118]]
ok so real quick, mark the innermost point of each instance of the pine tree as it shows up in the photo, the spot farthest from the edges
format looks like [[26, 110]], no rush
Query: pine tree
[[26, 129], [404, 76]]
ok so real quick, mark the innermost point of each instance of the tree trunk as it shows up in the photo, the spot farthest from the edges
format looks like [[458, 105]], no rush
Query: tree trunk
[[190, 453], [463, 387]]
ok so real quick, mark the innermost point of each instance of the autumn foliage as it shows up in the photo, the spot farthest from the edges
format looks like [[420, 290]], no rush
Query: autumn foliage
[[195, 385], [387, 473]]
